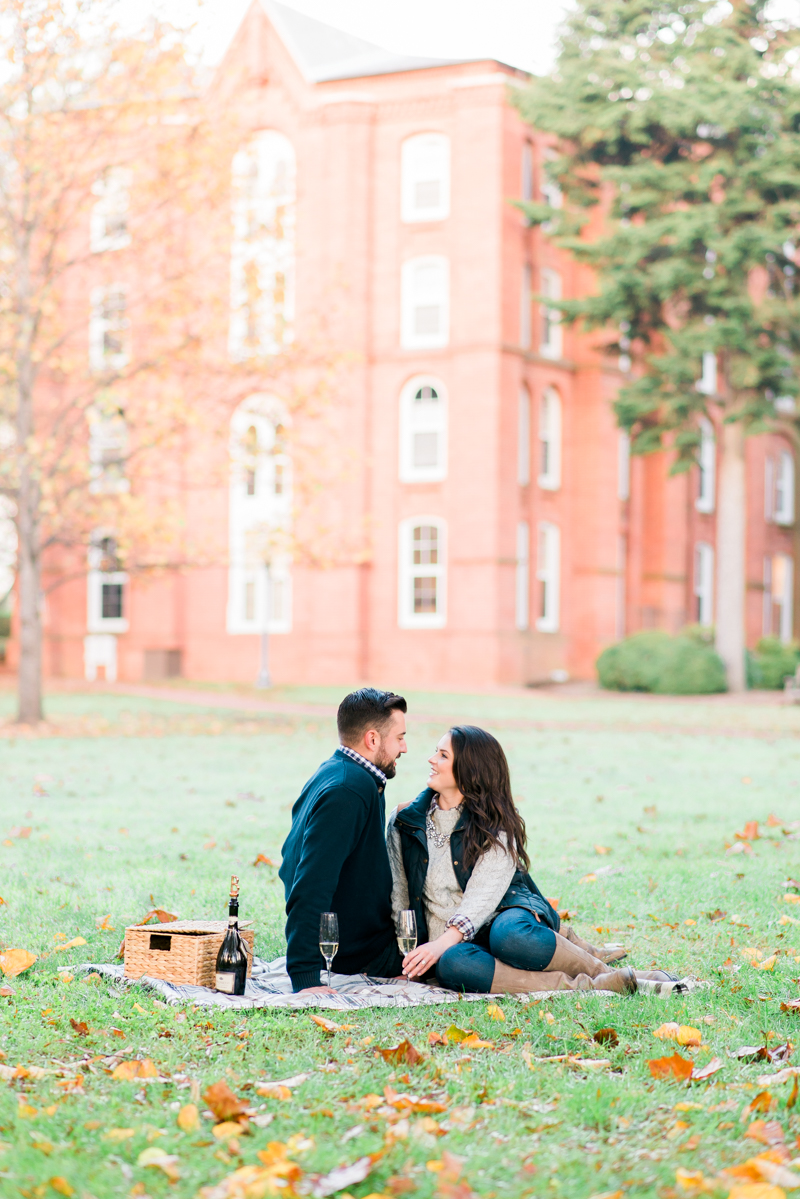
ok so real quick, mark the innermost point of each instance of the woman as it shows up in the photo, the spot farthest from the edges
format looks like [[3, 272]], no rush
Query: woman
[[459, 861]]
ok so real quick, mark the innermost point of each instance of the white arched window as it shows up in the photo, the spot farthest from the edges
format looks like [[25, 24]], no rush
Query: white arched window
[[263, 246], [259, 516], [423, 431], [108, 229], [550, 440], [704, 583], [784, 489], [422, 573], [524, 437], [425, 303], [707, 462], [425, 168], [548, 574], [551, 345]]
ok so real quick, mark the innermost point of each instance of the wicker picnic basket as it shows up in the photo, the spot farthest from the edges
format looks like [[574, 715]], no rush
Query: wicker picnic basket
[[182, 951]]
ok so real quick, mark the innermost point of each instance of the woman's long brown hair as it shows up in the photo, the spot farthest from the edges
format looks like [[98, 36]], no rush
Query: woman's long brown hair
[[480, 769]]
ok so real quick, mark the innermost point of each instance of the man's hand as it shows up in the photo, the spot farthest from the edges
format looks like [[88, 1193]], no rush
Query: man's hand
[[316, 991]]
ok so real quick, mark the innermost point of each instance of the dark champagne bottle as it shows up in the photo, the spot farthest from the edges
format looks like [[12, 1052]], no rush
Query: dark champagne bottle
[[231, 970]]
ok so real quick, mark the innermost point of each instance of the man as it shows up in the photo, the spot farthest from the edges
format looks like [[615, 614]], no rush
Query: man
[[335, 859]]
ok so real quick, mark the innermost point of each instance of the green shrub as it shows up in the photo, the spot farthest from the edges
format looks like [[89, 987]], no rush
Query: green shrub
[[770, 663], [655, 661]]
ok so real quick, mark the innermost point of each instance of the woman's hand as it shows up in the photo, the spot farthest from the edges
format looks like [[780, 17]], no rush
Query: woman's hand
[[417, 963]]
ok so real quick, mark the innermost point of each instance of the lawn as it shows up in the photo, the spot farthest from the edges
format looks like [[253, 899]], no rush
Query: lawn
[[630, 804]]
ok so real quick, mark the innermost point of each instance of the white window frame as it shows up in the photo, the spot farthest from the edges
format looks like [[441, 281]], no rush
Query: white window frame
[[769, 489], [623, 465], [550, 433], [410, 336], [108, 448], [420, 418], [112, 188], [548, 574], [407, 618], [782, 588], [704, 582], [707, 383], [783, 508], [264, 173], [259, 524], [526, 172], [522, 590], [707, 468], [424, 159], [525, 307], [523, 436], [95, 581], [552, 339], [100, 324]]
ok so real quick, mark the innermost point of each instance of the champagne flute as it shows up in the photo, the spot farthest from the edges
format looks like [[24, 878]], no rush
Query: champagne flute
[[406, 925], [329, 938]]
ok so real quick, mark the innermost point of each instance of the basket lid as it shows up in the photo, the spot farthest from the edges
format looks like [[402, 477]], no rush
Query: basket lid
[[189, 928]]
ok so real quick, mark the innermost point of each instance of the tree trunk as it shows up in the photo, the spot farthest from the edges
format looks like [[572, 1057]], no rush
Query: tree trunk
[[30, 658], [731, 555]]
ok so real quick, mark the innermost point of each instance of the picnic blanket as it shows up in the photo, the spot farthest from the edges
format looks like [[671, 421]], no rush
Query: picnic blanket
[[270, 986]]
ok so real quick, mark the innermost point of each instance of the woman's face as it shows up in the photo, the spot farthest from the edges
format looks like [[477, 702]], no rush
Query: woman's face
[[441, 762]]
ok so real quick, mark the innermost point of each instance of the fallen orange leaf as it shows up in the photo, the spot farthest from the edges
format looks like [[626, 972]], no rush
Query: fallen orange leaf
[[15, 961], [262, 858], [102, 924], [135, 1069], [275, 1090], [60, 1184], [676, 1067], [330, 1025], [768, 1132], [402, 1054], [6, 992], [223, 1103], [495, 1011], [226, 1130], [762, 1102], [70, 944], [684, 1034], [706, 1071], [80, 1027], [189, 1118]]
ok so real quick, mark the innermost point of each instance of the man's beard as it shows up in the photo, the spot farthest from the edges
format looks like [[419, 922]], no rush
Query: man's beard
[[389, 768]]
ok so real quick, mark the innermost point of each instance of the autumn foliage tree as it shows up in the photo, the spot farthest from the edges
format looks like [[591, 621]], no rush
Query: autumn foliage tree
[[115, 243], [683, 123]]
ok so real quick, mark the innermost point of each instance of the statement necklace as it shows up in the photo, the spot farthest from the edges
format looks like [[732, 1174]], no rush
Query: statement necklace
[[439, 839]]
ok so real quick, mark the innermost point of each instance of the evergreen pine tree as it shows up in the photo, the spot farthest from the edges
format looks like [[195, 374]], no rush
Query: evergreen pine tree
[[683, 124]]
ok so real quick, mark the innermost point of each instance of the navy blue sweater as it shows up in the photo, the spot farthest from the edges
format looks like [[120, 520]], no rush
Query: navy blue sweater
[[335, 860]]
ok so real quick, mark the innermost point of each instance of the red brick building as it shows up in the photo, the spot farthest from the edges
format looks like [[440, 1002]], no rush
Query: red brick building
[[507, 537]]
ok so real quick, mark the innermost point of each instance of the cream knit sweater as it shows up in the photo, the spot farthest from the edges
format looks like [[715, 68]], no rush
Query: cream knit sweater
[[442, 897]]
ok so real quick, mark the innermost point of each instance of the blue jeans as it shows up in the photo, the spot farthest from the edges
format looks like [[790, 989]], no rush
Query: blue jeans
[[515, 937]]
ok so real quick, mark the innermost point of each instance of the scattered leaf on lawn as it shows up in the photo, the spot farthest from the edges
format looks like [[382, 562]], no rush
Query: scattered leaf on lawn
[[473, 1041], [684, 1034], [601, 849], [692, 1182], [792, 1100], [606, 1036], [6, 992], [119, 1134], [262, 858], [495, 1011], [790, 1005], [712, 1067], [328, 1025], [161, 1160], [80, 1027], [227, 1129], [751, 1053], [718, 914], [436, 1038], [762, 1102], [588, 878], [223, 1103], [768, 1132], [135, 1069], [789, 898], [402, 1054], [15, 961], [275, 1090], [60, 1184], [676, 1067], [454, 1033], [767, 964], [70, 944], [322, 1185], [189, 1118], [749, 832], [102, 924]]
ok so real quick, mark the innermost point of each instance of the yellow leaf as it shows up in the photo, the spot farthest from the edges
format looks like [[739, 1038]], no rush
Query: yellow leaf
[[434, 1166], [767, 964], [60, 1184], [757, 1190], [495, 1011], [275, 1090], [588, 878], [135, 1069], [602, 849], [159, 1159], [102, 923], [119, 1134], [26, 1112], [456, 1034], [70, 944], [137, 1007], [227, 1129], [473, 1041], [688, 1035], [791, 899], [189, 1118], [15, 961], [328, 1025]]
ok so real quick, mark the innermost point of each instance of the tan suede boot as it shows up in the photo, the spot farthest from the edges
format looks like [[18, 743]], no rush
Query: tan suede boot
[[574, 960], [605, 955], [509, 981]]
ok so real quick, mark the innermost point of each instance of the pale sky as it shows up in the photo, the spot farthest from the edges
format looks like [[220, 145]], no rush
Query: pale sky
[[519, 32]]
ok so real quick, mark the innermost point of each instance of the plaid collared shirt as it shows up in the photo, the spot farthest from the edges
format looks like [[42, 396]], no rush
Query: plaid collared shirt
[[365, 762]]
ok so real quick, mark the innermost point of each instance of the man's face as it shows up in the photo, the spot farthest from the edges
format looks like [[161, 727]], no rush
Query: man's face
[[392, 745]]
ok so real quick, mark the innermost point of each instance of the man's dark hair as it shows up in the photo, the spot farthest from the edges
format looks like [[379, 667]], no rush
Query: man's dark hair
[[366, 709]]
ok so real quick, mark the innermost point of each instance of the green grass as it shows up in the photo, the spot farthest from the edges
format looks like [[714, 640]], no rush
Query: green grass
[[659, 783]]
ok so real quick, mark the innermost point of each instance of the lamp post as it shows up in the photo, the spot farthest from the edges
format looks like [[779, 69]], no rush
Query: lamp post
[[264, 679]]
